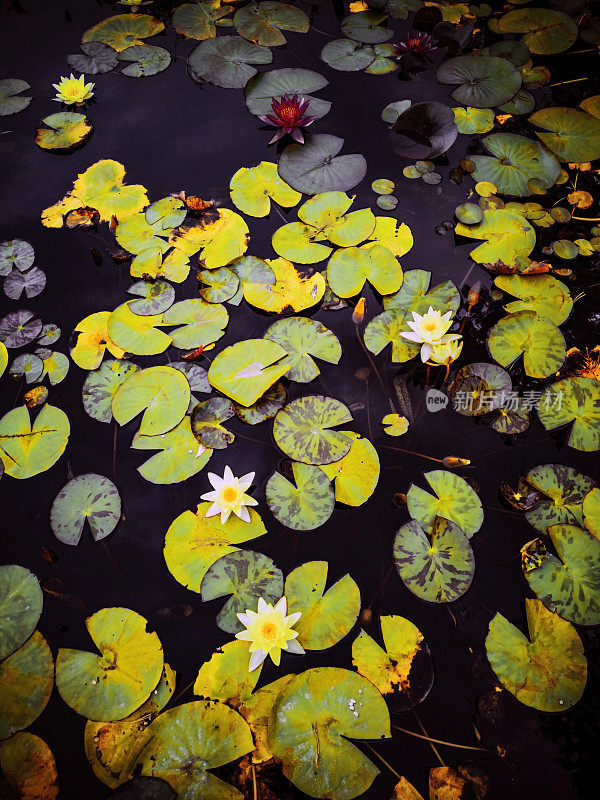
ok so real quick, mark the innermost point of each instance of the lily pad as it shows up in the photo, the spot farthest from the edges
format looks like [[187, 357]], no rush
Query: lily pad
[[517, 161], [197, 20], [507, 236], [97, 59], [356, 474], [219, 285], [162, 393], [545, 31], [11, 99], [21, 602], [483, 81], [304, 506], [385, 329], [15, 253], [92, 340], [18, 328], [26, 679], [227, 62], [292, 290], [32, 282], [570, 134], [562, 491], [574, 400], [28, 366], [456, 501], [347, 56], [548, 671], [253, 188], [88, 497], [591, 512], [112, 685], [538, 339], [221, 235], [439, 570], [415, 294], [145, 60], [366, 26], [424, 130], [244, 371], [124, 30], [266, 86], [303, 429], [480, 388], [349, 268], [29, 768], [202, 323], [303, 339], [206, 420], [27, 449], [312, 720], [156, 297], [246, 576], [316, 167], [327, 616], [473, 120], [65, 131], [543, 294], [263, 22], [102, 384], [181, 456], [265, 407], [225, 676]]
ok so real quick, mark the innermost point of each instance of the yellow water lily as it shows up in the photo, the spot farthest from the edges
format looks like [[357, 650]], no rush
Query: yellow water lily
[[429, 330], [446, 353], [229, 495], [73, 91], [269, 631]]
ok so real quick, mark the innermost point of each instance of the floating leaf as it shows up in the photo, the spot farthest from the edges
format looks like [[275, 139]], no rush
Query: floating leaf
[[206, 420], [225, 677], [162, 393], [88, 497], [227, 61], [265, 407], [439, 570], [385, 329], [136, 333], [220, 285], [263, 22], [27, 449], [517, 161], [388, 670], [313, 718], [548, 671], [18, 328], [302, 339], [29, 768], [591, 512], [424, 130], [65, 130], [112, 685], [146, 59], [415, 294], [574, 400], [257, 710], [347, 56], [102, 384], [32, 282], [316, 167], [92, 340], [180, 458], [253, 188], [222, 236], [303, 429], [473, 120], [55, 365], [304, 506], [195, 541], [572, 135], [456, 501], [395, 425], [124, 30], [480, 388], [28, 366], [156, 297], [143, 788], [543, 294], [562, 490], [21, 603], [15, 253], [507, 236], [246, 576], [483, 81], [264, 87], [537, 338], [356, 474], [183, 742], [327, 616], [26, 679], [11, 99], [202, 323], [366, 26], [545, 31], [244, 371], [197, 20], [97, 58], [350, 267]]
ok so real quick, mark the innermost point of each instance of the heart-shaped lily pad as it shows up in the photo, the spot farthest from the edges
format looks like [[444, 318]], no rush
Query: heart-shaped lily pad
[[316, 166], [562, 491], [538, 339], [244, 371], [227, 62], [303, 429], [483, 81], [573, 400], [456, 501], [88, 497], [26, 679], [21, 602], [304, 506]]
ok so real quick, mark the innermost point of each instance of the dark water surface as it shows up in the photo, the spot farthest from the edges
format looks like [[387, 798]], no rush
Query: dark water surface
[[171, 135]]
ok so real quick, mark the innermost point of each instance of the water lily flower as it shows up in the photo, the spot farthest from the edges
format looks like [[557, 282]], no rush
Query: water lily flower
[[269, 631], [288, 116], [445, 353], [430, 329], [229, 495], [134, 4], [73, 91], [415, 42]]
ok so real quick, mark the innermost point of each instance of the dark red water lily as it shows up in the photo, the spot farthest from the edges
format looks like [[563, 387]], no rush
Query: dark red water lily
[[415, 42], [288, 116]]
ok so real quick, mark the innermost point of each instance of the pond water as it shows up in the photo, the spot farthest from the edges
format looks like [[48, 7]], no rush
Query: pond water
[[171, 135]]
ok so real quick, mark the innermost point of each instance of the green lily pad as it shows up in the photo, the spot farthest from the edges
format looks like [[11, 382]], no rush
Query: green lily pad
[[27, 449], [591, 512], [55, 365], [480, 388], [385, 60], [545, 31], [303, 338], [137, 334], [386, 328], [388, 669], [456, 501], [569, 585], [303, 429], [65, 130], [349, 268], [517, 161], [423, 131], [327, 616], [292, 290], [146, 60], [197, 20], [112, 685], [124, 30], [156, 297], [15, 253], [312, 720], [366, 26], [225, 676], [97, 59], [206, 420], [257, 709], [392, 111], [574, 400], [439, 570], [162, 393], [88, 497], [538, 339], [469, 213], [246, 576], [304, 506], [548, 671], [347, 56], [265, 407], [415, 294], [572, 135], [263, 22], [26, 679], [244, 371], [562, 490], [474, 120], [507, 236], [513, 50], [11, 99], [483, 81], [219, 285], [28, 366], [165, 214], [181, 456], [356, 474], [522, 103], [266, 86], [201, 323], [543, 294], [316, 167], [227, 62], [195, 541], [253, 188], [102, 384], [21, 602]]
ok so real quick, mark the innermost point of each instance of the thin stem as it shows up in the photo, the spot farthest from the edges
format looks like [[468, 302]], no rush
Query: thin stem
[[254, 785], [184, 690], [440, 741], [375, 370], [383, 761], [431, 744], [564, 83], [586, 219], [412, 453]]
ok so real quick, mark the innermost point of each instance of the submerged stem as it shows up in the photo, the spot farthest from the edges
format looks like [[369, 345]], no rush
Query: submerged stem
[[383, 761], [439, 741]]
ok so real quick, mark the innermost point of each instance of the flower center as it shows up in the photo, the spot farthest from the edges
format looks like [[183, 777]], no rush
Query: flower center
[[429, 325], [287, 113], [229, 494], [269, 631]]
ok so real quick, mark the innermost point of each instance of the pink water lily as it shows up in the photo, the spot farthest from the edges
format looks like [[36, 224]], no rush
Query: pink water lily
[[415, 42], [288, 116]]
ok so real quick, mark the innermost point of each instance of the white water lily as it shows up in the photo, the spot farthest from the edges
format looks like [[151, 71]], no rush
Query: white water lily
[[429, 330], [269, 632], [446, 353], [229, 495]]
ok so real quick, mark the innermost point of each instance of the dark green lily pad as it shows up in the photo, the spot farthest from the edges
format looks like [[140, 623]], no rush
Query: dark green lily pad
[[21, 602], [454, 500], [197, 20], [265, 86], [424, 130], [415, 294], [263, 22], [366, 26], [316, 167], [303, 429], [305, 506], [480, 388], [11, 99], [227, 61], [144, 788], [97, 59], [483, 81], [347, 56], [562, 491], [517, 161], [572, 135], [102, 384], [265, 407], [88, 497], [146, 60], [545, 31], [206, 420]]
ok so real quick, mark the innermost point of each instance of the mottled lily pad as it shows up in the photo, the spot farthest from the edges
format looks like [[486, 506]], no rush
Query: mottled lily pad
[[29, 768], [562, 491], [304, 506], [575, 400], [303, 429], [456, 501], [88, 497], [538, 339], [206, 420], [124, 30], [97, 58], [101, 385], [304, 339], [244, 371]]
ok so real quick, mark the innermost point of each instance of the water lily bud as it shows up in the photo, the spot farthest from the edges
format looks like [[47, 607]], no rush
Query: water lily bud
[[359, 311], [400, 499], [473, 296], [454, 461], [366, 617]]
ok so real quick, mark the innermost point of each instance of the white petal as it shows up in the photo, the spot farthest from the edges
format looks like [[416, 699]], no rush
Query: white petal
[[293, 618], [293, 647], [256, 659], [413, 337], [209, 496], [228, 474], [244, 618], [246, 481], [243, 513], [426, 352], [262, 605], [281, 606], [225, 512], [213, 510]]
